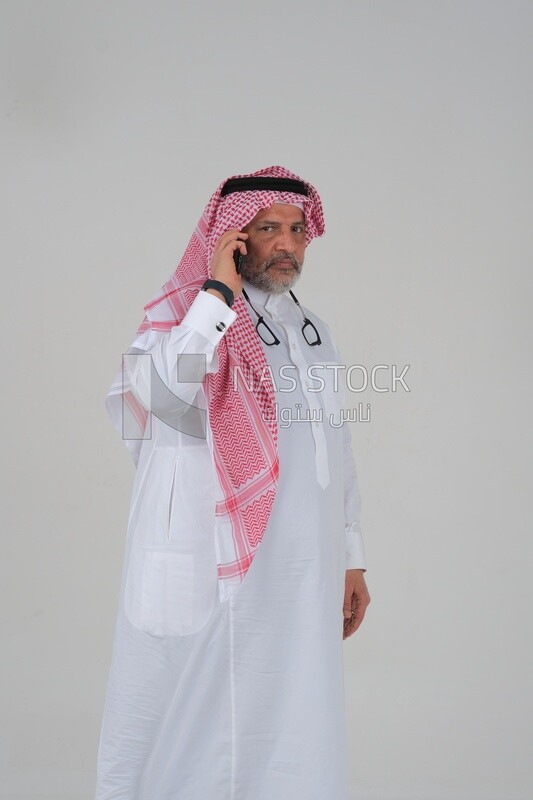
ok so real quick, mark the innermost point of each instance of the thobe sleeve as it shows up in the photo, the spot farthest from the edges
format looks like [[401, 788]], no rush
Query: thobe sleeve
[[196, 338], [355, 551]]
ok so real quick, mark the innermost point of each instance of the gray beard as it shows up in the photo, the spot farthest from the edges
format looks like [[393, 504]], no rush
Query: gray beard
[[261, 278]]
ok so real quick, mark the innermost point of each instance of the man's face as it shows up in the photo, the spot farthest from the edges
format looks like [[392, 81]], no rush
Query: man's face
[[276, 247]]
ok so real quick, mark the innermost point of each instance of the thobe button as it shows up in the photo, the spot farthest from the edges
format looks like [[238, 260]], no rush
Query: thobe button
[[220, 326]]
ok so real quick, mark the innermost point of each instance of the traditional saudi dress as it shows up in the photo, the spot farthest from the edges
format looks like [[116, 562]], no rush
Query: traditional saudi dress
[[226, 680]]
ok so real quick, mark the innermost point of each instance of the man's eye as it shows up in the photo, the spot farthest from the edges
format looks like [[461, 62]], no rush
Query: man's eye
[[299, 229], [267, 228]]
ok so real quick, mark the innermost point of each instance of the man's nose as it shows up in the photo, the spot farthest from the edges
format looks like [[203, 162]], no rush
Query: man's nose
[[284, 241]]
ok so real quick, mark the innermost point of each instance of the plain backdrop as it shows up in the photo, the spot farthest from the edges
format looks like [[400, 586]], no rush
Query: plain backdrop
[[413, 119]]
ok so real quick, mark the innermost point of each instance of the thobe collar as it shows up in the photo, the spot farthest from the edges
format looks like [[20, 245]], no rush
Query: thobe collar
[[275, 304]]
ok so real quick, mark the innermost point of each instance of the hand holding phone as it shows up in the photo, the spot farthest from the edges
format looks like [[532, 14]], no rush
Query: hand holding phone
[[226, 260]]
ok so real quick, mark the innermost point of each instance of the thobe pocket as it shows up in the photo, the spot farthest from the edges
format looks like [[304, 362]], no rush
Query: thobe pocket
[[162, 594], [159, 590], [171, 580]]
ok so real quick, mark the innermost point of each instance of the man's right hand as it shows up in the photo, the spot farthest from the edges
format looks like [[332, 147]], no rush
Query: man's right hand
[[222, 264]]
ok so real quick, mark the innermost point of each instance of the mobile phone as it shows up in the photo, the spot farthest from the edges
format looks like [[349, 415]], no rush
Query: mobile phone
[[237, 256]]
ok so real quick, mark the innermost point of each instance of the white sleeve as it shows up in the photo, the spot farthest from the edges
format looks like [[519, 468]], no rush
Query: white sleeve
[[355, 551], [181, 358]]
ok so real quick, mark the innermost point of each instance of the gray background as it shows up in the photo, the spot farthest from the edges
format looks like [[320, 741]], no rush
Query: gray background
[[413, 119]]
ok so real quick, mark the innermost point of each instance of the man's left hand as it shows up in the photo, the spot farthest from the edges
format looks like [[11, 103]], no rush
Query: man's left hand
[[356, 600]]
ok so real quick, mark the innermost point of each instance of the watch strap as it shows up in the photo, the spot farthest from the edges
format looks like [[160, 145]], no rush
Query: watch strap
[[224, 290]]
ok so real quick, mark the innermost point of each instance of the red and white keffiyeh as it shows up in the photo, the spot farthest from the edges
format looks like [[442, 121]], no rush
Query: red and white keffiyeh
[[243, 425]]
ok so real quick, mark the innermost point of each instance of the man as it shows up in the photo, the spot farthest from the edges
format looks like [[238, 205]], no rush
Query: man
[[244, 559]]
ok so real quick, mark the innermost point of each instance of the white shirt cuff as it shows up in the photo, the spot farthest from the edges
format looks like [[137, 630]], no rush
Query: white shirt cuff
[[209, 316], [355, 550]]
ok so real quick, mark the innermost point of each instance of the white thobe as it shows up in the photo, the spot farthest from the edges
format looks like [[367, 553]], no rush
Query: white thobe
[[240, 698]]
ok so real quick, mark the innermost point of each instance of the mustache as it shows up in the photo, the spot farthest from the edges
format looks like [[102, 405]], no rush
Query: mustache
[[283, 257]]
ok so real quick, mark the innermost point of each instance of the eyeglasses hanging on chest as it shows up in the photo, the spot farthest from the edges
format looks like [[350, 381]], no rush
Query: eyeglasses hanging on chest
[[267, 335]]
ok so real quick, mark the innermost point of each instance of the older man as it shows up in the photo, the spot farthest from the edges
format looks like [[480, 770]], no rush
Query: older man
[[244, 558]]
